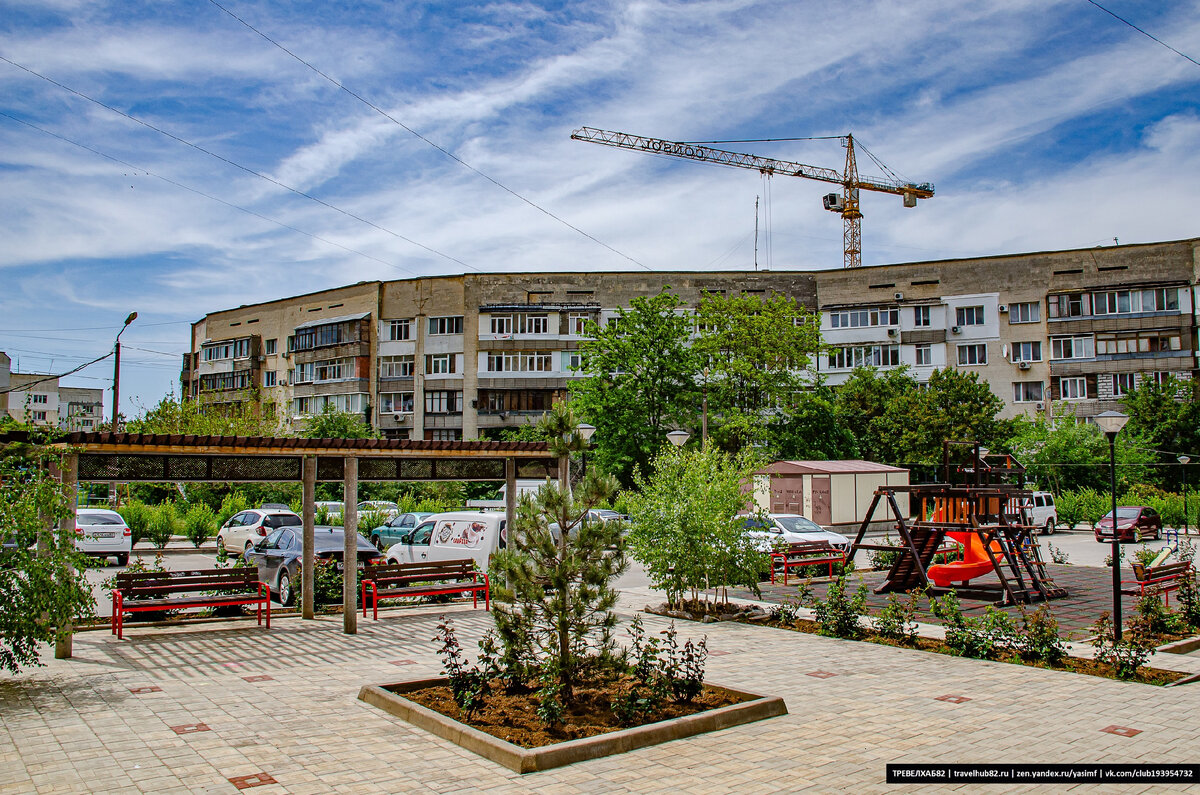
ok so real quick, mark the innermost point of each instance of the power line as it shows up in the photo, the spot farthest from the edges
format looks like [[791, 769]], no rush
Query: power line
[[1144, 33], [205, 195], [436, 146], [236, 165], [97, 328], [24, 387]]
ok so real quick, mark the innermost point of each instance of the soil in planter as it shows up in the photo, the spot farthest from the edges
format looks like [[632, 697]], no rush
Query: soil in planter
[[514, 717], [1145, 674]]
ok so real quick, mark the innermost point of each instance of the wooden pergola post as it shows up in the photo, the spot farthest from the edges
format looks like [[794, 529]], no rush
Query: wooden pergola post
[[350, 550], [308, 561], [64, 637]]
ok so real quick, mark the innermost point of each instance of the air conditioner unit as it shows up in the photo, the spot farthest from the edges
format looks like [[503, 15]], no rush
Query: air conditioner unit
[[1003, 308], [898, 296], [401, 416], [1039, 406], [955, 330], [1024, 365], [893, 332]]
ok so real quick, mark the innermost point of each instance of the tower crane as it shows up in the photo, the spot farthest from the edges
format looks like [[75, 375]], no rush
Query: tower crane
[[845, 204]]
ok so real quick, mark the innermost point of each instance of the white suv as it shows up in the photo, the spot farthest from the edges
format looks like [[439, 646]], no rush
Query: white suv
[[1041, 512], [245, 529], [103, 533]]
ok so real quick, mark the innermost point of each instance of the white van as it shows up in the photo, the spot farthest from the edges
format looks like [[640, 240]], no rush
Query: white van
[[452, 536]]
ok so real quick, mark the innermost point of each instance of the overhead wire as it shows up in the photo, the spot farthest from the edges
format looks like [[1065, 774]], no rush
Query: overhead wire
[[1144, 33], [24, 387], [236, 165], [199, 192], [443, 150]]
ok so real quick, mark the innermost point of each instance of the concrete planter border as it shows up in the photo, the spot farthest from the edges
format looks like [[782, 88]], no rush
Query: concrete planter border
[[1181, 646], [528, 760]]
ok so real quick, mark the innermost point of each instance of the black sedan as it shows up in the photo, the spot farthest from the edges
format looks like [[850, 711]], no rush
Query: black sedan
[[279, 555]]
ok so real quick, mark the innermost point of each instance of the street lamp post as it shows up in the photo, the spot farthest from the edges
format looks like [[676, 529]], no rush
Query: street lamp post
[[585, 431], [1111, 422], [117, 369], [1183, 462]]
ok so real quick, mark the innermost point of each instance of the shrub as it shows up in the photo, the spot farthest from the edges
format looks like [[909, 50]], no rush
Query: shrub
[[327, 585], [897, 620], [1188, 597], [137, 516], [163, 524], [1057, 555], [980, 638], [1125, 656], [882, 559], [199, 523], [1152, 617], [1039, 638], [468, 686], [660, 670], [369, 520], [1145, 555], [234, 502], [838, 614]]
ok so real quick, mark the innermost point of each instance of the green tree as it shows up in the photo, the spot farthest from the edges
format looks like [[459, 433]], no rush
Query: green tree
[[334, 424], [684, 526], [257, 415], [1067, 455], [754, 352], [1167, 416], [42, 589], [554, 609], [861, 402], [811, 430], [641, 381]]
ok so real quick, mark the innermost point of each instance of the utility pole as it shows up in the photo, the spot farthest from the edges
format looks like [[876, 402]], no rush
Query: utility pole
[[117, 370]]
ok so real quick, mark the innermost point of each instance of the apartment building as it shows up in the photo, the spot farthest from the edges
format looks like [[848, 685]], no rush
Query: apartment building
[[37, 398], [460, 356]]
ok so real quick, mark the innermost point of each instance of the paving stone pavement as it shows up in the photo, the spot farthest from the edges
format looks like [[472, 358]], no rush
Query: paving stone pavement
[[188, 710]]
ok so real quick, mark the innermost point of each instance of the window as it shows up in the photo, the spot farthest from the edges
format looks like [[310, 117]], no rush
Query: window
[[574, 361], [395, 367], [305, 339], [446, 325], [269, 347], [1027, 391], [972, 354], [577, 323], [865, 356], [39, 416], [1069, 305], [1027, 351], [86, 423], [1028, 312], [354, 403], [269, 378], [495, 401], [395, 401], [920, 316], [220, 381], [440, 363], [303, 373], [1135, 342], [1121, 302], [445, 434], [519, 361], [860, 318], [241, 348], [333, 370], [520, 324], [1072, 348], [924, 355], [502, 324], [968, 316], [399, 329], [443, 401], [1072, 388], [1122, 383], [613, 322], [221, 350], [41, 398]]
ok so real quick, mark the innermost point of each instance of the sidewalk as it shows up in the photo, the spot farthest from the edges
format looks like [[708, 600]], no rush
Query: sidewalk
[[217, 707]]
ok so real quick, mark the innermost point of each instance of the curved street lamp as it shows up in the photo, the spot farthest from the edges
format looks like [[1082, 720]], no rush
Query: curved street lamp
[[1183, 462], [678, 438], [1111, 422], [117, 369]]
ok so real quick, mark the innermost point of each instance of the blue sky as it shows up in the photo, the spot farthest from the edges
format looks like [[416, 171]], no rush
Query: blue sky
[[1044, 125]]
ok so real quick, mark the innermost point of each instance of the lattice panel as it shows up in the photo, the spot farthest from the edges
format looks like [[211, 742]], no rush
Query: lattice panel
[[186, 467], [378, 469], [469, 469], [421, 469], [332, 469], [538, 470], [232, 468]]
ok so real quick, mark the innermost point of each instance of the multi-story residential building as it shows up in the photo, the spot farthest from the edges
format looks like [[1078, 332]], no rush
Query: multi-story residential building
[[459, 356], [37, 398]]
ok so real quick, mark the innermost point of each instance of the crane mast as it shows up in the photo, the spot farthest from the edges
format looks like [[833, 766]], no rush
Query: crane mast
[[847, 204]]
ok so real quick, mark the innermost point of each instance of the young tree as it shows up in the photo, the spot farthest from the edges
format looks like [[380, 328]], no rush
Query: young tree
[[554, 609], [754, 352], [684, 526], [1167, 415], [641, 381], [256, 416], [1067, 455], [42, 587], [334, 424]]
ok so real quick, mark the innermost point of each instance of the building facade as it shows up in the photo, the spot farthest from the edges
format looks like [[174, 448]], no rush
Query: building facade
[[456, 357], [38, 399]]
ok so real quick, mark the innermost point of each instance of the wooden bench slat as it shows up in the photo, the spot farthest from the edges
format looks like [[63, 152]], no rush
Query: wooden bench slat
[[163, 590], [427, 578]]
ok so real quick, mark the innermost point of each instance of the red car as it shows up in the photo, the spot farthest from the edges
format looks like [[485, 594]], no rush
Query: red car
[[1134, 523]]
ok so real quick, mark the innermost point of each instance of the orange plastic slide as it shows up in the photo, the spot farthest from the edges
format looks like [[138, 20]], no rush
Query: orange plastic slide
[[975, 562]]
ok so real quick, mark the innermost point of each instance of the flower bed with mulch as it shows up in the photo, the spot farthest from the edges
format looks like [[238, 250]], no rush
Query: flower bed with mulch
[[514, 717]]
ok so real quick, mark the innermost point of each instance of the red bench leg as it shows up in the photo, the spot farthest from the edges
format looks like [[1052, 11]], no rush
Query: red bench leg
[[268, 604]]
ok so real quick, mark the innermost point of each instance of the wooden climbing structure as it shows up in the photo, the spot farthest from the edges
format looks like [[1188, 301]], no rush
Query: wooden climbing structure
[[979, 507]]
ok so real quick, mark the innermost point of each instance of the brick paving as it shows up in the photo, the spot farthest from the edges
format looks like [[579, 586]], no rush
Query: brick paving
[[108, 720]]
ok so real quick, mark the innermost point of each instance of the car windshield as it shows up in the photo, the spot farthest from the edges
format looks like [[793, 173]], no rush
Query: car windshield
[[798, 524], [1124, 513], [98, 518], [283, 520]]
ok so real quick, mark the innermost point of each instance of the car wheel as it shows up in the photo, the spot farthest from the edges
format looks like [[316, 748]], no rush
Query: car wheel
[[123, 559], [284, 588], [1137, 536], [249, 546], [1049, 528]]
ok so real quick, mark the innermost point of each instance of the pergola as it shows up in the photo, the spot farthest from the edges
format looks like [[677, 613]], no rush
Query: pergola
[[171, 458]]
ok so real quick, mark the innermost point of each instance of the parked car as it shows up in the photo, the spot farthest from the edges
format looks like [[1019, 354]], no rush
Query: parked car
[[275, 506], [1039, 510], [245, 529], [391, 531], [278, 556], [379, 506], [791, 528], [332, 509], [102, 533], [1134, 523], [452, 536]]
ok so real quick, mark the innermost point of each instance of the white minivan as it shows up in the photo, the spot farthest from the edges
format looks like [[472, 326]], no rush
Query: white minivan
[[1041, 512], [452, 536]]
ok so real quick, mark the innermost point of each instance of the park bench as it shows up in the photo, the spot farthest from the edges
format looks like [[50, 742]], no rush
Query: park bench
[[1162, 579], [156, 591], [805, 553], [424, 579]]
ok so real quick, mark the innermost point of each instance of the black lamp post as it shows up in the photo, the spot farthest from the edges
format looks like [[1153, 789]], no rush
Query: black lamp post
[[117, 370], [1183, 462], [1111, 422], [586, 432]]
